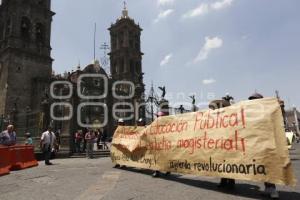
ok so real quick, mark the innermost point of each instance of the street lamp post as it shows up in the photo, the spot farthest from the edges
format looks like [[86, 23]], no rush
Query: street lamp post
[[137, 99]]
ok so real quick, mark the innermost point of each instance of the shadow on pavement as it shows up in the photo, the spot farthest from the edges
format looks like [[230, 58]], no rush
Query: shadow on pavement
[[241, 189]]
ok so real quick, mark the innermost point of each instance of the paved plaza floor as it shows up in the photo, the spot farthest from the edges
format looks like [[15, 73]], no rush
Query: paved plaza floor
[[96, 179]]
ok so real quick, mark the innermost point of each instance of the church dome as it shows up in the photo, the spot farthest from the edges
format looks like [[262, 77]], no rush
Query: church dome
[[94, 69]]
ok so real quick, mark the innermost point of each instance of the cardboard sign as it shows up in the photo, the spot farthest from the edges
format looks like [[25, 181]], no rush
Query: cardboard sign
[[245, 141]]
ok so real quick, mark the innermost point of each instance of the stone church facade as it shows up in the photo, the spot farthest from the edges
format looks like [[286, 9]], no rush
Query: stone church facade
[[25, 61], [26, 75]]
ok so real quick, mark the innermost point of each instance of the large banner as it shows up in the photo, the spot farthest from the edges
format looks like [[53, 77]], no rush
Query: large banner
[[245, 141]]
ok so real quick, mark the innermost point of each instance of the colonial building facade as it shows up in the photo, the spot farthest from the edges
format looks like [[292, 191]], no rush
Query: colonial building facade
[[26, 76], [25, 62]]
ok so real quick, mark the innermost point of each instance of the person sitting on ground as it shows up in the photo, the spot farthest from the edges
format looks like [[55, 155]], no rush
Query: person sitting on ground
[[9, 136], [28, 140], [270, 188]]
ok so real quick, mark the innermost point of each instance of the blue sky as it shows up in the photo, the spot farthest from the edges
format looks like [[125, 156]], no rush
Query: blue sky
[[206, 47]]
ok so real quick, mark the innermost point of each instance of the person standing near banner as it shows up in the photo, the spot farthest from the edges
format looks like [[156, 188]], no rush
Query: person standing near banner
[[216, 104], [156, 172], [47, 143], [270, 188], [120, 123]]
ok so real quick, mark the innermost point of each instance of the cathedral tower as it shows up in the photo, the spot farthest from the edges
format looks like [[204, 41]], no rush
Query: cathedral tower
[[25, 62], [126, 55]]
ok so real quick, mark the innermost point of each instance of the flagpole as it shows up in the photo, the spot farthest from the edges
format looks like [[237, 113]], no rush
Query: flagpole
[[95, 41]]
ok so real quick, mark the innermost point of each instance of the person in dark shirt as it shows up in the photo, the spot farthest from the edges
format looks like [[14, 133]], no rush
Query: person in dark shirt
[[104, 138]]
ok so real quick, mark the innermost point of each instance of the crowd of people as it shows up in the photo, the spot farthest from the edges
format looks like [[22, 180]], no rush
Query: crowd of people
[[85, 141], [8, 137], [49, 141]]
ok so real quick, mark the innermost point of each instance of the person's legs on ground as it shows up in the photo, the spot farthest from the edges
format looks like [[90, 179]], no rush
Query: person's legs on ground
[[156, 174], [47, 154], [230, 183], [87, 150], [117, 166], [46, 157], [92, 150], [105, 145], [77, 145], [84, 146], [227, 182], [270, 189], [80, 147], [223, 182]]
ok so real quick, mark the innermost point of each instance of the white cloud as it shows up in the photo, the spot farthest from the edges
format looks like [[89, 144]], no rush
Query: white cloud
[[200, 10], [205, 8], [164, 2], [210, 43], [221, 4], [163, 14], [166, 59], [208, 81]]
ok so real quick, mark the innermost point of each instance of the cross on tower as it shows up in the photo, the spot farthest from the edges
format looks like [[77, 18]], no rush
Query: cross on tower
[[104, 47], [104, 60]]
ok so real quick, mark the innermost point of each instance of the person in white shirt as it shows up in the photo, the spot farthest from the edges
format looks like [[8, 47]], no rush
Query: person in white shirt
[[47, 143]]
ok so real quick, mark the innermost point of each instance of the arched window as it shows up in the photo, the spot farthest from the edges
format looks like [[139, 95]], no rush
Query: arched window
[[25, 27], [40, 33]]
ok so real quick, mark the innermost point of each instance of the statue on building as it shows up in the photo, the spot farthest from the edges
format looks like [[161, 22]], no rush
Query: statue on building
[[228, 98], [163, 89], [193, 99], [194, 107]]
